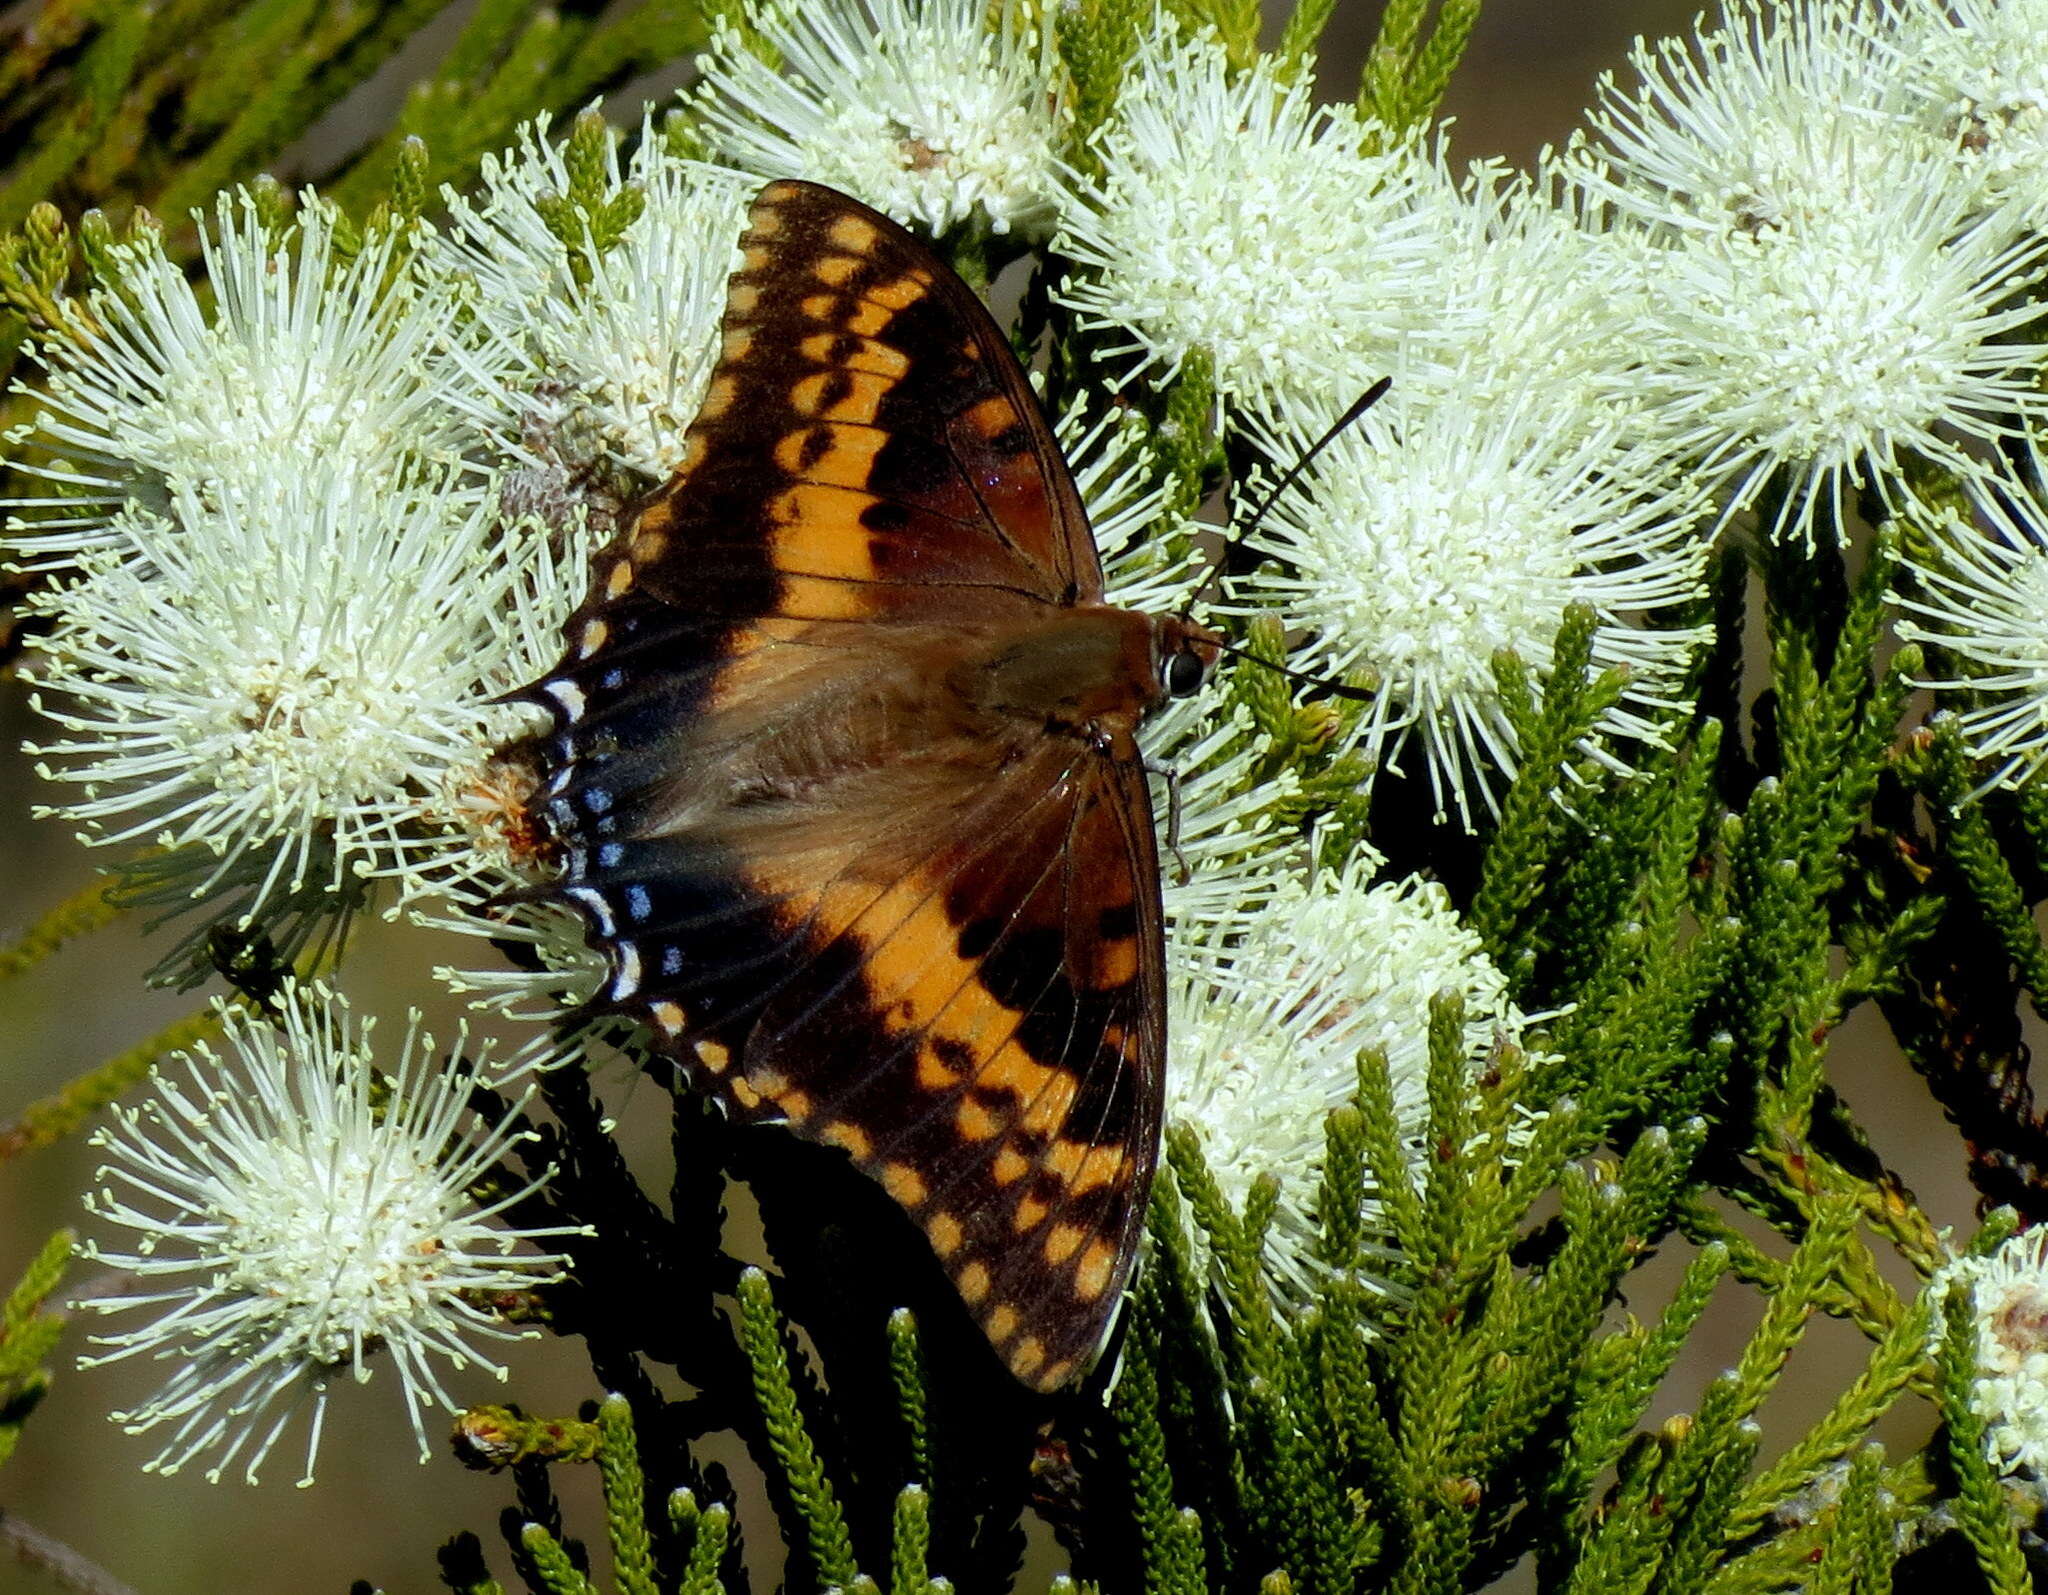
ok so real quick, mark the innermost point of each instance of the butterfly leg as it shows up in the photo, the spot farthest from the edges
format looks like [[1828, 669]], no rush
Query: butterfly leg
[[1170, 774]]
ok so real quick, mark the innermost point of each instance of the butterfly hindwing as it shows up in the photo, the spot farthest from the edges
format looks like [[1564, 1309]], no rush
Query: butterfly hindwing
[[997, 999], [845, 892]]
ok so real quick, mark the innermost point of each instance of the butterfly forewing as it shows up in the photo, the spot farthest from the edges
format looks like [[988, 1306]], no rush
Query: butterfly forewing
[[866, 430], [845, 891]]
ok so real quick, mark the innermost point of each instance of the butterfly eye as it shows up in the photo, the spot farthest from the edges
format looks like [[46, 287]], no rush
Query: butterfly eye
[[1184, 673]]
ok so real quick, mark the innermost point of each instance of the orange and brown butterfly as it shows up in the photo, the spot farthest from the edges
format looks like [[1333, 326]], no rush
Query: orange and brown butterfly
[[845, 781]]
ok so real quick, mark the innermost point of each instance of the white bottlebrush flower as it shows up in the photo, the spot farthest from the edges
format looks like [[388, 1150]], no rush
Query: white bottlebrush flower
[[939, 112], [1749, 124], [1975, 73], [1533, 297], [612, 347], [293, 681], [1427, 539], [1237, 219], [1978, 595], [1269, 1011], [2008, 1295], [304, 356], [296, 1213], [1831, 295]]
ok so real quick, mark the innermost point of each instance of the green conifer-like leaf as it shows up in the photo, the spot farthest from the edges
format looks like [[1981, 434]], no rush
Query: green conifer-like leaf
[[1701, 1522], [1980, 1507], [1135, 1409], [1096, 40], [706, 1531], [1532, 826], [1975, 851], [28, 1336], [910, 1543], [906, 1370], [625, 1505], [550, 1559], [824, 1523], [1895, 1363], [1305, 25], [1615, 1390]]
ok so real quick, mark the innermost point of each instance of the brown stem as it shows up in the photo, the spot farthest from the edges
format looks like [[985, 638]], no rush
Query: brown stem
[[34, 1548]]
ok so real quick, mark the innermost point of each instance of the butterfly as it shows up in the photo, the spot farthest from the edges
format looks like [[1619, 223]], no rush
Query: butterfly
[[844, 778]]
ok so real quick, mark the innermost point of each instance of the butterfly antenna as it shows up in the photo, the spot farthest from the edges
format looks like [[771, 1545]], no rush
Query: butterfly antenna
[[1336, 689], [1365, 401]]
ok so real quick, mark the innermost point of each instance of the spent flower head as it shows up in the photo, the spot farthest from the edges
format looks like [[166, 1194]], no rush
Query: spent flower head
[[939, 112], [296, 1215], [2008, 1296], [1236, 219]]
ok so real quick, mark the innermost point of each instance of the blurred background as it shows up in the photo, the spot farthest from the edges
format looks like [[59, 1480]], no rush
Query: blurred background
[[375, 1514]]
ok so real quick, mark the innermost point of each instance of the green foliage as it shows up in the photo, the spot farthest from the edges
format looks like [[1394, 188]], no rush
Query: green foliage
[[1096, 40], [906, 1368], [593, 215], [1980, 1506], [115, 104], [1532, 827], [1406, 73], [1235, 23], [28, 1335], [86, 911], [775, 1388], [672, 1543]]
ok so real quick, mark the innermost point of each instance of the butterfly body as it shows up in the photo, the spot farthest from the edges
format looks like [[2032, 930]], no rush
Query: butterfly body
[[846, 782]]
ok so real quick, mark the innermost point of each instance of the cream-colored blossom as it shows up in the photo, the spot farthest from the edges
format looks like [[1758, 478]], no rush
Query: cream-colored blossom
[[1977, 596], [939, 112], [285, 687], [1433, 536], [1828, 295], [298, 1217], [1236, 219], [306, 353], [1269, 1012], [2008, 1297], [604, 351]]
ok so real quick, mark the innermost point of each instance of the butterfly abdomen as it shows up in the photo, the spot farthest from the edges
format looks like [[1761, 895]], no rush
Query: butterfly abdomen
[[1086, 670]]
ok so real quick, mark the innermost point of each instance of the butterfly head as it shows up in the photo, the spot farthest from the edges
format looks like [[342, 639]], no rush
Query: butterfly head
[[1183, 654]]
